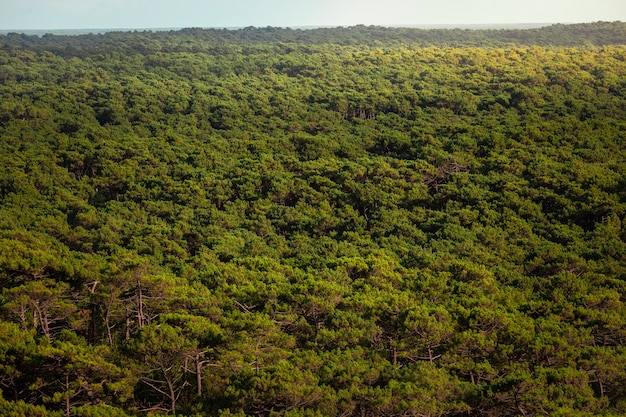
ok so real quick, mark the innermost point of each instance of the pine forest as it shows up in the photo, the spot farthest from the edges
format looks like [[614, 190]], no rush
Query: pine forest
[[356, 221]]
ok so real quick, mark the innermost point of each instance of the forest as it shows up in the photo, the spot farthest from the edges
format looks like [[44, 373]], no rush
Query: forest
[[358, 221]]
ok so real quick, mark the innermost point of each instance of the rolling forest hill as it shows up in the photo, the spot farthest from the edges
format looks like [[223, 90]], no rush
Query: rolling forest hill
[[352, 221]]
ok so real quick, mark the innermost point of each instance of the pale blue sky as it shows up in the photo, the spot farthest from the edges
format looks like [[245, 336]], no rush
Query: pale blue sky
[[95, 14]]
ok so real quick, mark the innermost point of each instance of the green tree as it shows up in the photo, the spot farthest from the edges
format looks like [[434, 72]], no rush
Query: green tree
[[163, 352]]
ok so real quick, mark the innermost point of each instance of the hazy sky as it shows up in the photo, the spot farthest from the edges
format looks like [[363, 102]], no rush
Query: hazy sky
[[93, 14]]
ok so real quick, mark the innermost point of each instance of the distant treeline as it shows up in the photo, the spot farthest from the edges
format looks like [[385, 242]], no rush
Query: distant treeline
[[208, 40]]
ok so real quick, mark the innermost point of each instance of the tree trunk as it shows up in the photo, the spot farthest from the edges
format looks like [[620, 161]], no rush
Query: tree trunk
[[199, 374], [107, 322], [601, 387], [171, 390], [127, 324], [44, 322], [140, 316]]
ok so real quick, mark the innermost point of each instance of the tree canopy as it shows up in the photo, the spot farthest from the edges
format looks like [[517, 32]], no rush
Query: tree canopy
[[342, 221]]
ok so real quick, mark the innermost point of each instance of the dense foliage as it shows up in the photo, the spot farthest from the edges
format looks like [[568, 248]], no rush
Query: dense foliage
[[358, 221]]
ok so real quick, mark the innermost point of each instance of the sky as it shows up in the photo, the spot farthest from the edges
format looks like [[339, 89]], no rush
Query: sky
[[143, 14]]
